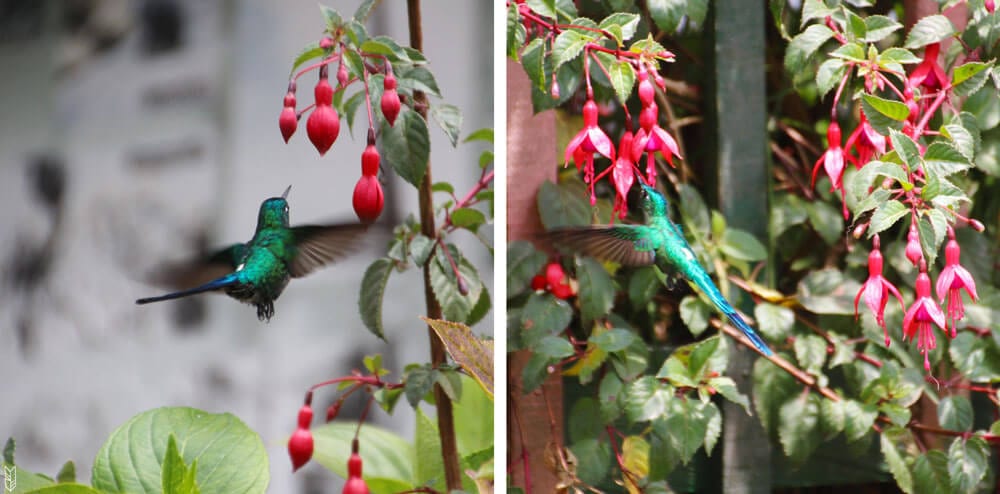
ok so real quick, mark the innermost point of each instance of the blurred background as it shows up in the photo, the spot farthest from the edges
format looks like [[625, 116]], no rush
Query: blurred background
[[137, 132]]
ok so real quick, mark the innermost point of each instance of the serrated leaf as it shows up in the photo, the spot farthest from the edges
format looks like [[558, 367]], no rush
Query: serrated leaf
[[67, 473], [829, 75], [968, 78], [627, 24], [406, 146], [449, 118], [622, 77], [727, 388], [597, 293], [309, 52], [884, 114], [930, 472], [878, 27], [372, 292], [886, 216], [613, 340], [930, 29], [774, 321], [967, 463], [420, 248], [553, 347], [418, 383], [567, 46], [646, 399], [810, 352], [962, 138], [468, 218], [523, 263], [798, 428], [685, 427], [532, 59], [473, 354], [804, 45], [695, 314], [895, 461], [543, 315], [955, 413], [831, 415], [858, 419], [332, 17]]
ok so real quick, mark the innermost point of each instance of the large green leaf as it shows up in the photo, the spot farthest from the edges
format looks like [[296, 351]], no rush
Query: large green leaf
[[406, 146], [388, 458], [930, 29], [968, 460], [372, 292], [799, 430], [230, 456], [597, 292]]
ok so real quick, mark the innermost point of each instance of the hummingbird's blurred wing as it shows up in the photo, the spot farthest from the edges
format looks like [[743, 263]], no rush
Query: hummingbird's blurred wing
[[628, 245], [196, 272], [318, 245]]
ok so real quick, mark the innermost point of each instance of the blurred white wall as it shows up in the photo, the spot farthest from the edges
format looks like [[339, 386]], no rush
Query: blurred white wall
[[159, 149]]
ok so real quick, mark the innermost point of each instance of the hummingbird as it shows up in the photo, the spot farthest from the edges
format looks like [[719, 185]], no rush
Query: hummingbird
[[658, 242], [256, 272]]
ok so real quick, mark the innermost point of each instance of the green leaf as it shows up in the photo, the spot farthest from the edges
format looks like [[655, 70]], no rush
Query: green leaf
[[516, 33], [955, 413], [930, 472], [67, 473], [449, 118], [667, 14], [886, 216], [559, 205], [177, 478], [455, 305], [593, 460], [772, 387], [420, 249], [968, 78], [364, 10], [8, 451], [309, 52], [523, 263], [798, 429], [685, 427], [727, 388], [850, 51], [894, 459], [828, 291], [597, 293], [406, 146], [646, 399], [543, 315], [774, 321], [967, 463], [878, 27], [943, 159], [826, 220], [567, 46], [626, 23], [966, 141], [829, 75], [468, 218], [372, 292], [831, 418], [977, 358], [584, 418], [614, 340], [384, 45], [419, 381], [622, 79], [225, 448], [56, 488], [642, 286], [810, 351], [553, 347], [738, 244], [930, 29], [389, 459], [804, 45], [932, 228], [695, 314], [332, 18], [532, 59], [884, 114], [693, 209], [815, 9], [858, 419]]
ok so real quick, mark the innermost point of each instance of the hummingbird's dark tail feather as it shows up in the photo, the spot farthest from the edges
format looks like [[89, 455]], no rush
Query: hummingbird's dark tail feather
[[215, 284], [701, 278]]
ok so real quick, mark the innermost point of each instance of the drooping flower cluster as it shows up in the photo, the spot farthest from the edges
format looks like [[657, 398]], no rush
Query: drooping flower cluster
[[323, 123]]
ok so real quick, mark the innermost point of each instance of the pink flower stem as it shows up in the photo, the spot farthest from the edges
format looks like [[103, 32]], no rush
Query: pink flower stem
[[929, 112], [321, 63]]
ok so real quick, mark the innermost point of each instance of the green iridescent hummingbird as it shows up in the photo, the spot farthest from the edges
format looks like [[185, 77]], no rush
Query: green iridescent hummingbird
[[658, 242], [256, 272]]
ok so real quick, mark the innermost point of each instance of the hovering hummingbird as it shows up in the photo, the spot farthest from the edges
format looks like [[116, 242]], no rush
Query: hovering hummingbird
[[256, 272], [658, 242]]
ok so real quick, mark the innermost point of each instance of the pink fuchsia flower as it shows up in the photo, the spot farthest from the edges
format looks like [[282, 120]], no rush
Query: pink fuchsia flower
[[585, 143], [651, 139], [922, 314], [622, 172], [866, 142], [833, 162], [876, 289], [953, 278], [990, 5], [929, 73]]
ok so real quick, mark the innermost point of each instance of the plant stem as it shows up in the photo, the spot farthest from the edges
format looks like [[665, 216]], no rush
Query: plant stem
[[445, 416]]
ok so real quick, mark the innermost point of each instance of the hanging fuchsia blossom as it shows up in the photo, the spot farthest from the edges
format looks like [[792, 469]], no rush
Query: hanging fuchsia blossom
[[876, 289], [929, 73], [585, 143], [953, 278], [866, 142], [622, 172], [922, 314]]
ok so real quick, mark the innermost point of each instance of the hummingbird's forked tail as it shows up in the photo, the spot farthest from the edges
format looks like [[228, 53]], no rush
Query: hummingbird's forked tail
[[215, 284], [701, 278]]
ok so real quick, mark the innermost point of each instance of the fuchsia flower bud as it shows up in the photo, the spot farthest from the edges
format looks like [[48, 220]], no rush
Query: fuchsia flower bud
[[913, 250], [368, 198], [288, 121], [390, 98], [324, 123], [300, 445], [355, 484]]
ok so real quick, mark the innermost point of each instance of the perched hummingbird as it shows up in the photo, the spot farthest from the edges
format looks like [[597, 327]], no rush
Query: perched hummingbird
[[256, 272], [658, 242]]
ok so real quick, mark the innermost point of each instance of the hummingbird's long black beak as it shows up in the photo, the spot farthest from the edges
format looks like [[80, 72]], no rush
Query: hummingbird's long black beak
[[284, 195]]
